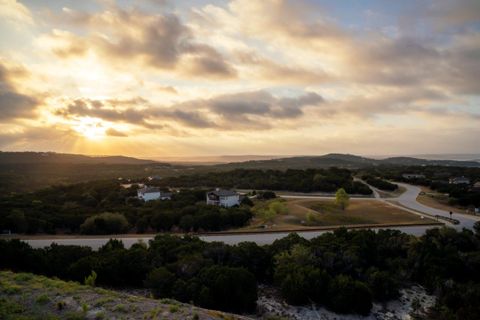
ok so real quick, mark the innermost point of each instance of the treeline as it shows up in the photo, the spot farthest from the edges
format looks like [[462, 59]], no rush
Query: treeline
[[323, 180], [344, 271], [379, 183], [436, 178], [29, 177], [104, 207]]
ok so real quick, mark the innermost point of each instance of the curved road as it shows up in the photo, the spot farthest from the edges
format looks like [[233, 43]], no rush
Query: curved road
[[407, 200]]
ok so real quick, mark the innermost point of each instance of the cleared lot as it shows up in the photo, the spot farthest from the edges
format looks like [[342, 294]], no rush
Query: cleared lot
[[310, 213]]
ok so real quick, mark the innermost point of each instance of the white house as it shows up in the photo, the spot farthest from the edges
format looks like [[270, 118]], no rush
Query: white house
[[459, 180], [224, 198], [413, 176], [152, 193]]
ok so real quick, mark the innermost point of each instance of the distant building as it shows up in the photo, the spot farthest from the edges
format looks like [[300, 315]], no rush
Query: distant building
[[413, 176], [476, 186], [154, 178], [224, 198], [152, 193], [459, 180]]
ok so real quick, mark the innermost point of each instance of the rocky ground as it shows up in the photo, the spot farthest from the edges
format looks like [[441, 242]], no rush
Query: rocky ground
[[27, 297], [412, 300]]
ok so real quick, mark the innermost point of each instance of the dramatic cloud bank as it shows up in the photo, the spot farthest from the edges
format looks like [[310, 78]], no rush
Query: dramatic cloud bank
[[275, 76]]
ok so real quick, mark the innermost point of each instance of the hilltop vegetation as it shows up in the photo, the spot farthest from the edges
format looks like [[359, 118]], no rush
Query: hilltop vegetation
[[344, 270]]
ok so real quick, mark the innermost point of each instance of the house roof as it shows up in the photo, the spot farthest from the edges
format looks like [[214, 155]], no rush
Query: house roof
[[149, 190], [224, 193]]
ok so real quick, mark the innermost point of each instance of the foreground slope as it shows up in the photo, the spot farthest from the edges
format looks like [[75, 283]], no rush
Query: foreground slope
[[28, 296]]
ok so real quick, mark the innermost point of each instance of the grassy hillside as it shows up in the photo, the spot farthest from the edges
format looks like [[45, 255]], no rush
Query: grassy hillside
[[26, 296]]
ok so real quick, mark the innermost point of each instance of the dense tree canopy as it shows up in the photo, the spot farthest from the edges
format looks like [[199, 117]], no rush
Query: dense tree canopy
[[344, 270], [324, 180], [104, 207]]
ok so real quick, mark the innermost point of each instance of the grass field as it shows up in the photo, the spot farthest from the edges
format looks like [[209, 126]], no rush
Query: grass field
[[437, 200], [307, 214]]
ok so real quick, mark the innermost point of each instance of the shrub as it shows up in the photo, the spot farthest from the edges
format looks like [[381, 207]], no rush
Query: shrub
[[105, 223], [346, 295], [90, 280], [160, 281]]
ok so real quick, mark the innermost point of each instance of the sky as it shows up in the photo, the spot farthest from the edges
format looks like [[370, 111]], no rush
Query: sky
[[273, 77]]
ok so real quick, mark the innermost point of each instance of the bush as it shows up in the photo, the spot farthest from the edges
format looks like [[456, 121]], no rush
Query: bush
[[346, 295], [105, 223], [228, 289], [90, 280], [160, 281]]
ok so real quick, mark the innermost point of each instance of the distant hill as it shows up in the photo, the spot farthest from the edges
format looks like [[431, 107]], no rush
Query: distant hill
[[65, 158], [340, 160]]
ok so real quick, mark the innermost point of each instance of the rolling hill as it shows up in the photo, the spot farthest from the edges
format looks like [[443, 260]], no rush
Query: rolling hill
[[341, 160], [65, 158]]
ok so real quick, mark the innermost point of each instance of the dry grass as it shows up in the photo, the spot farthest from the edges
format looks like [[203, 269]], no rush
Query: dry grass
[[326, 214], [436, 200], [361, 212]]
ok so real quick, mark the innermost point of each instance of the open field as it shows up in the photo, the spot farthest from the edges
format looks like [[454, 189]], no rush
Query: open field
[[307, 214], [437, 200]]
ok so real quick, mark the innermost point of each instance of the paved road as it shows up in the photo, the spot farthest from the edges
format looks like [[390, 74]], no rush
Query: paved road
[[408, 199], [260, 239]]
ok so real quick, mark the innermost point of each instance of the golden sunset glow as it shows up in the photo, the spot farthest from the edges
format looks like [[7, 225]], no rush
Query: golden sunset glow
[[240, 77], [90, 128]]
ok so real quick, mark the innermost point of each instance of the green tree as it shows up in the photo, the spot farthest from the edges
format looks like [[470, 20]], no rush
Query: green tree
[[16, 221], [342, 199], [160, 281], [105, 223], [227, 289], [349, 296]]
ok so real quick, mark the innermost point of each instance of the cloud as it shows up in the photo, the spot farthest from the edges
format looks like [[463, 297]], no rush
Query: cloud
[[15, 12], [32, 135], [261, 68], [259, 103], [456, 13], [225, 112], [115, 133], [167, 89], [14, 104], [160, 41]]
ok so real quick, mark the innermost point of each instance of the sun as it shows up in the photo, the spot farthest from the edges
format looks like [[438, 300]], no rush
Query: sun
[[90, 128]]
